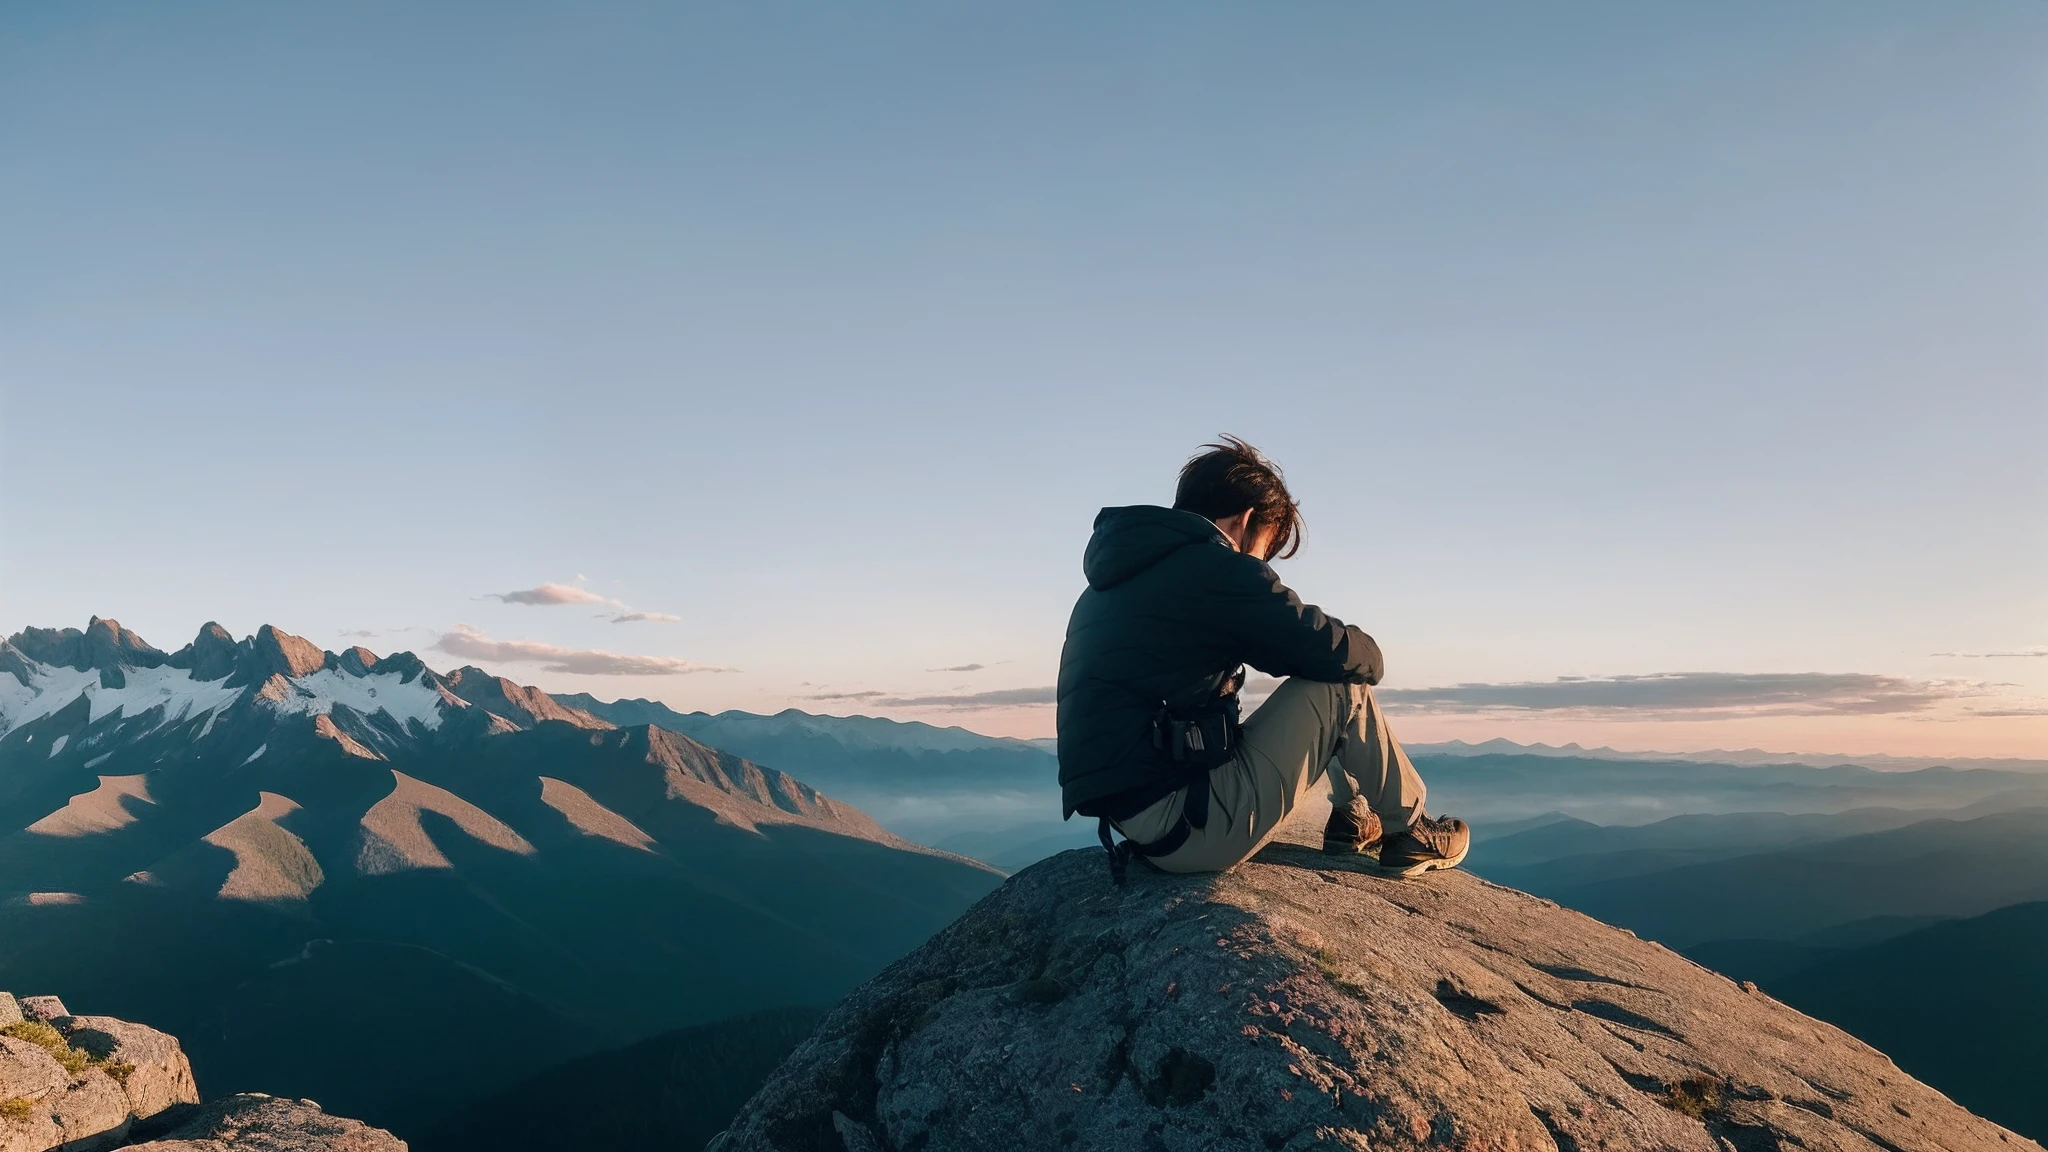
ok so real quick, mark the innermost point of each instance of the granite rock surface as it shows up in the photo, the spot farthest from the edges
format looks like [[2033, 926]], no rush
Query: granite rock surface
[[1303, 1002]]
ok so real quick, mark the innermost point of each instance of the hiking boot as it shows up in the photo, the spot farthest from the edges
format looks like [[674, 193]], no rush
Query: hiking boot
[[1425, 846], [1351, 831]]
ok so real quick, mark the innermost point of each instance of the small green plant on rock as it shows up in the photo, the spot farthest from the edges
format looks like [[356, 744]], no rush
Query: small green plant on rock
[[74, 1060], [120, 1070], [1694, 1098], [17, 1108]]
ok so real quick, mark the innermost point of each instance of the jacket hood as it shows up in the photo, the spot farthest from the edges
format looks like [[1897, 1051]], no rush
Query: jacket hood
[[1129, 540]]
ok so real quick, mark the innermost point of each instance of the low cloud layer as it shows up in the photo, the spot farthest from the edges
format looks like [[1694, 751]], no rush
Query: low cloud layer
[[959, 668], [1693, 696], [956, 702], [2022, 653], [645, 618], [471, 643]]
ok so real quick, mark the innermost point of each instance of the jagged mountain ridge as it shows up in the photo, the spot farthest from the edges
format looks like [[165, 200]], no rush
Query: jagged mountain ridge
[[311, 840], [125, 691]]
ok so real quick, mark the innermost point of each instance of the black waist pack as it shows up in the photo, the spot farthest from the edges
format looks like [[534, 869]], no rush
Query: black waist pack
[[1197, 739]]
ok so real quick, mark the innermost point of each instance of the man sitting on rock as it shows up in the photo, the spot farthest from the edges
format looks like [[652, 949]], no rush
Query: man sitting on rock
[[1178, 601]]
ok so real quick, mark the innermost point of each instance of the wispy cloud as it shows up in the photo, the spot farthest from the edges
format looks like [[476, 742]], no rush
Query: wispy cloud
[[970, 701], [471, 643], [553, 595], [955, 702], [2022, 653], [373, 633], [1694, 695], [2039, 708], [969, 667], [548, 595]]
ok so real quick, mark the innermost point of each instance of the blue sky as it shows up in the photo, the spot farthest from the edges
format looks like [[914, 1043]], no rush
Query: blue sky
[[1601, 340]]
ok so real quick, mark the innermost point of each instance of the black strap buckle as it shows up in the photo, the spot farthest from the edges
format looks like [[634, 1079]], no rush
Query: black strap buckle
[[1194, 814], [1119, 854]]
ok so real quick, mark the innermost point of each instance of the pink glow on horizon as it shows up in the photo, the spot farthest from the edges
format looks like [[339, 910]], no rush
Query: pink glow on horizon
[[2021, 737]]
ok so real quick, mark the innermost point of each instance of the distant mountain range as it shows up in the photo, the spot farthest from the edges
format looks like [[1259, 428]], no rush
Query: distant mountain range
[[848, 748], [824, 738], [997, 799], [1746, 757], [927, 783], [1922, 932], [1492, 789], [1768, 876], [353, 878]]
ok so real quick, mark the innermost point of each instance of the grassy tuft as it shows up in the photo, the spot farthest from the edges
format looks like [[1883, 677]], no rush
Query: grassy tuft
[[120, 1070], [1695, 1098], [17, 1108], [49, 1040]]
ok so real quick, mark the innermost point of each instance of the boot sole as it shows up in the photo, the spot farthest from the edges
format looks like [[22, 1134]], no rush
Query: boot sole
[[1410, 871]]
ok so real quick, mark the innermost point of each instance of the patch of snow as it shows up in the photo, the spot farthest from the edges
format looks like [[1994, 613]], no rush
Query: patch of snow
[[316, 694], [49, 690], [260, 749], [58, 744], [174, 688], [100, 759]]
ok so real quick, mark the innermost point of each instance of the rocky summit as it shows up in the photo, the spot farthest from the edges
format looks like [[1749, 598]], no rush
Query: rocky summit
[[85, 1083], [1302, 1002]]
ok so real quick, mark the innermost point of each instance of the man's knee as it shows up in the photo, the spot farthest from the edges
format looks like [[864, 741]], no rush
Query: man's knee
[[1329, 699]]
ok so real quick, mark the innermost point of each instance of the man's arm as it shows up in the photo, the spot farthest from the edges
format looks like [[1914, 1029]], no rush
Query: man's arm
[[1282, 636]]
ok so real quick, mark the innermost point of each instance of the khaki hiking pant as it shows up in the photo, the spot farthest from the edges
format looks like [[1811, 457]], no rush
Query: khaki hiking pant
[[1288, 744]]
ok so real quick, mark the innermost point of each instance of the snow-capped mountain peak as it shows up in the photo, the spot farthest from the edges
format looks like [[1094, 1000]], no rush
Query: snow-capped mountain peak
[[113, 674]]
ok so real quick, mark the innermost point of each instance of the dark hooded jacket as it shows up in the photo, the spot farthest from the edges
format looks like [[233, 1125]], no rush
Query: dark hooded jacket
[[1170, 612]]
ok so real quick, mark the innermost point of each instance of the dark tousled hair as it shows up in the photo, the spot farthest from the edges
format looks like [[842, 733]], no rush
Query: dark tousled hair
[[1232, 476]]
